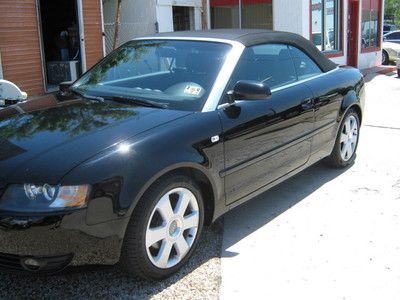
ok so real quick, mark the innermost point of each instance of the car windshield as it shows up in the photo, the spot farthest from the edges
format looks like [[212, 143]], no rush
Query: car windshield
[[175, 73]]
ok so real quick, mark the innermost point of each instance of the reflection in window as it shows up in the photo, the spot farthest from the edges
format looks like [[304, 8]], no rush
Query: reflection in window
[[325, 18], [369, 25], [304, 65], [253, 14]]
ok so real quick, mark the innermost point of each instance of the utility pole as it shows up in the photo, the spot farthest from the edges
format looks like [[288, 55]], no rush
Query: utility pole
[[117, 24]]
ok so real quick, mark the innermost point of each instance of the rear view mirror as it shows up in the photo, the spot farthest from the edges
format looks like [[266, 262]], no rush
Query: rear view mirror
[[249, 90]]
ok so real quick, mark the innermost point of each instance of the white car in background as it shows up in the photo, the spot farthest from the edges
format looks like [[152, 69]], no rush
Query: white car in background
[[390, 52]]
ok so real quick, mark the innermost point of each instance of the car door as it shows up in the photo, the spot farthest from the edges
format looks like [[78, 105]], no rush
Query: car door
[[327, 100], [393, 37], [266, 139]]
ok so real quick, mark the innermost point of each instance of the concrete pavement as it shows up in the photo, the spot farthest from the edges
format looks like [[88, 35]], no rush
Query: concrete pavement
[[326, 234]]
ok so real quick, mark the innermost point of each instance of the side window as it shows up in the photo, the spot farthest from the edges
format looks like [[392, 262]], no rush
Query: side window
[[390, 36], [269, 63], [304, 65], [395, 36]]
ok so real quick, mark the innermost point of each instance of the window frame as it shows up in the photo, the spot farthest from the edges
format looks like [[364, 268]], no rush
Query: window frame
[[340, 23], [222, 102], [240, 5], [378, 47]]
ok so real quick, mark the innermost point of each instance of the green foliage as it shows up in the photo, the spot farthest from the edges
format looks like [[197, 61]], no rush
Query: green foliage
[[131, 52], [392, 10]]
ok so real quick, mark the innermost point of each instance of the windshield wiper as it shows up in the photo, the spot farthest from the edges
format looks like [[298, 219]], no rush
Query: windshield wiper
[[138, 101], [83, 95]]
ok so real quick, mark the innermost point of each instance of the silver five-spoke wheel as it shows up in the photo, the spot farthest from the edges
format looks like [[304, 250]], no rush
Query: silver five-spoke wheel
[[172, 228], [348, 138]]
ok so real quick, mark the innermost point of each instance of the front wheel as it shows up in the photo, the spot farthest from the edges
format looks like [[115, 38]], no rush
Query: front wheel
[[344, 151], [164, 228], [385, 58]]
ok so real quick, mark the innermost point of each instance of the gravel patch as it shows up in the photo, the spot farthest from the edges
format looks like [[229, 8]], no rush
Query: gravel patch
[[199, 279]]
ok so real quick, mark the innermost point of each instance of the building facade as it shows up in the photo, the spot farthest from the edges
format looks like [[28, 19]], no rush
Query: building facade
[[143, 17], [347, 31], [44, 42]]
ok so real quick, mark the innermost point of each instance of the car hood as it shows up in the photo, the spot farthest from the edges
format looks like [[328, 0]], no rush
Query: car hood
[[42, 139], [390, 45]]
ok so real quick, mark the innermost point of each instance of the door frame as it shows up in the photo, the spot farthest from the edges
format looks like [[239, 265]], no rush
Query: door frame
[[79, 11], [353, 19], [81, 27]]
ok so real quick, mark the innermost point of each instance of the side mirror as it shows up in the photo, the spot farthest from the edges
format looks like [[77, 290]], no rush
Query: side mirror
[[249, 90], [64, 87], [384, 38], [64, 92]]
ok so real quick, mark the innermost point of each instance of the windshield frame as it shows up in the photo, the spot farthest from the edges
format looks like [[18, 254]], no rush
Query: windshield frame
[[224, 73]]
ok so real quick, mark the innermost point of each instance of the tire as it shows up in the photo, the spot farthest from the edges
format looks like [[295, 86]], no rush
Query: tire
[[347, 135], [385, 58], [156, 243], [398, 73]]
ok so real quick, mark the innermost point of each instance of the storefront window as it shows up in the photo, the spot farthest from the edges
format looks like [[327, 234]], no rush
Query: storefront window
[[252, 14], [370, 23], [326, 25]]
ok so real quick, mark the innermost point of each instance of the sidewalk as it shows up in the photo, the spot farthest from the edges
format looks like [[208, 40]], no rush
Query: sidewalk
[[326, 234], [379, 70]]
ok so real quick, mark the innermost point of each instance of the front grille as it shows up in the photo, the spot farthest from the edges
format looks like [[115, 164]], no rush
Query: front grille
[[11, 262]]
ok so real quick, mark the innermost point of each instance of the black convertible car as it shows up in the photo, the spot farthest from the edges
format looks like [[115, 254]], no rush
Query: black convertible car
[[162, 137]]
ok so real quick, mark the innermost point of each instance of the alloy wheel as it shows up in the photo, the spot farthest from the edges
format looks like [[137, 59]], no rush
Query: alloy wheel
[[348, 138], [172, 228]]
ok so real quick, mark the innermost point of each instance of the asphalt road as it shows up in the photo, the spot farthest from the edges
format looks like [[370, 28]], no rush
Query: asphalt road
[[326, 233]]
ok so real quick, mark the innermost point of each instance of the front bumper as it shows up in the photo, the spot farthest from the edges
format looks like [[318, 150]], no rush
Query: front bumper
[[58, 241]]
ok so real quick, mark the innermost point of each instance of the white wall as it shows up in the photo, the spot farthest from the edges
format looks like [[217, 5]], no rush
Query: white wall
[[138, 17], [292, 16], [164, 13]]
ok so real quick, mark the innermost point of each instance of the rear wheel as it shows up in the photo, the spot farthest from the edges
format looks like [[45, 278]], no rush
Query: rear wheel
[[344, 151], [164, 228]]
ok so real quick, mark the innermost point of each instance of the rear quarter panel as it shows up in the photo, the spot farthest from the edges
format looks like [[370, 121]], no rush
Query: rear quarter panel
[[334, 94]]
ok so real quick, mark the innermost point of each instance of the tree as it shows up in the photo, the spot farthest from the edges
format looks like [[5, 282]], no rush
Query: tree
[[392, 11]]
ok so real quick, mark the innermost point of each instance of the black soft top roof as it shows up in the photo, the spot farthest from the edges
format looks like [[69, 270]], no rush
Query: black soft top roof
[[251, 37]]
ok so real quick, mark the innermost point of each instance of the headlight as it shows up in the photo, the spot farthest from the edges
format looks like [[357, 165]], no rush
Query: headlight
[[43, 198]]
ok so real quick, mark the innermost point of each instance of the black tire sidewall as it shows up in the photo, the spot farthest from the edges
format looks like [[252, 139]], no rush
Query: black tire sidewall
[[385, 57], [139, 222], [336, 158]]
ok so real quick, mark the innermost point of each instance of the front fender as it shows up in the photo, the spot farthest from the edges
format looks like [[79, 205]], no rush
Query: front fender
[[140, 161]]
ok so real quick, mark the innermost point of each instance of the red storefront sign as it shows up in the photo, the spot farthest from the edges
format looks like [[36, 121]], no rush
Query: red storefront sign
[[214, 3]]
